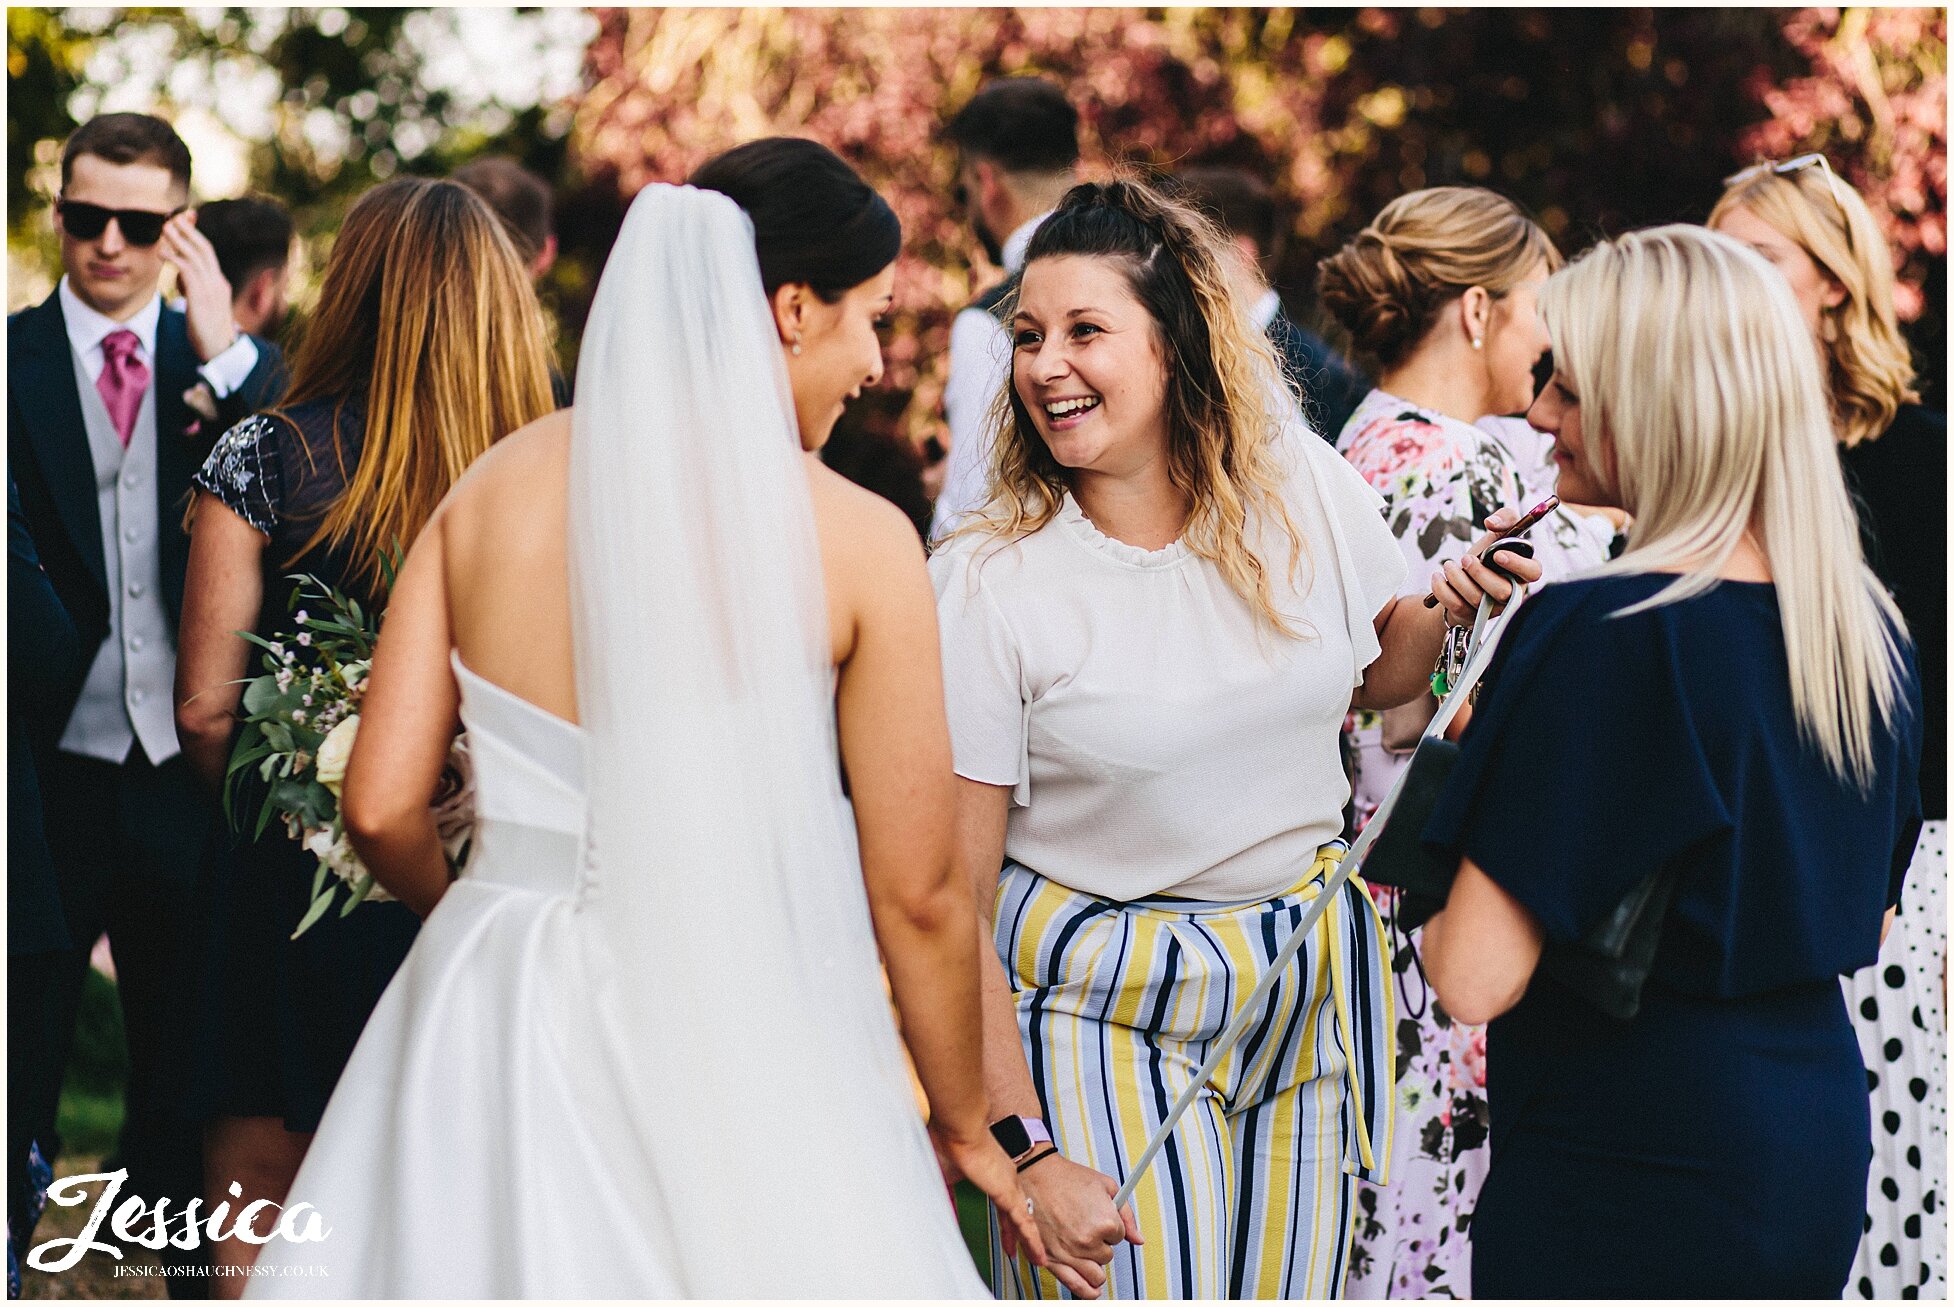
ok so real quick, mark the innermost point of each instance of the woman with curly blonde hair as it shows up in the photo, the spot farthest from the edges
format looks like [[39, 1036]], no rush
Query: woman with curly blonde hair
[[1152, 633], [1813, 227]]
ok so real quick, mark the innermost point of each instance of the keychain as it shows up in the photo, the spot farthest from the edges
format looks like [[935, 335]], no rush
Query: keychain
[[1451, 660]]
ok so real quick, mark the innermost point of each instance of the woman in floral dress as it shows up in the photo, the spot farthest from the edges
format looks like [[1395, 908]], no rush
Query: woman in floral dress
[[1439, 290]]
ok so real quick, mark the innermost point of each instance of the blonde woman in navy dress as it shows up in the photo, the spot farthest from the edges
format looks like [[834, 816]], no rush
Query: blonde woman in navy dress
[[1734, 703], [1152, 634]]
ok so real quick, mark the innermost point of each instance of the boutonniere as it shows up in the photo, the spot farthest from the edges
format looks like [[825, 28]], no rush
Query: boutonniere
[[202, 401]]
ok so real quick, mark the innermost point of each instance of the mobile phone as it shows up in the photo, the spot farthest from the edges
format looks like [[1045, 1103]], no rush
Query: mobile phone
[[1532, 515]]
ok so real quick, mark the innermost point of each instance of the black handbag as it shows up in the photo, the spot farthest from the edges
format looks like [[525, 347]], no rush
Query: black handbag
[[1608, 966]]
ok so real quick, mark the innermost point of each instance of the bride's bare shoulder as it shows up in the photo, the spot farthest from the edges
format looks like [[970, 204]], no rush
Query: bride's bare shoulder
[[859, 528], [515, 468], [538, 449]]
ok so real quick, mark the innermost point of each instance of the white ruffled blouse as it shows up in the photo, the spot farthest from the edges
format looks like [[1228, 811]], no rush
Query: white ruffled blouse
[[1158, 737]]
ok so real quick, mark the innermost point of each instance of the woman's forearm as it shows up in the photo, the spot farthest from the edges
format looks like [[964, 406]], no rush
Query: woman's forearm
[[1007, 1073], [405, 857], [205, 732], [982, 815], [1410, 638], [1480, 952], [929, 961], [222, 589]]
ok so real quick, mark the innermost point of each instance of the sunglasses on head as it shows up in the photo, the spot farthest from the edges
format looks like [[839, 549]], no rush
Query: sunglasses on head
[[1799, 164], [87, 221]]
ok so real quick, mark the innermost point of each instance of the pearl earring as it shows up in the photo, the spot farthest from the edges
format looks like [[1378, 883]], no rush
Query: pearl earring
[[1478, 342], [796, 346]]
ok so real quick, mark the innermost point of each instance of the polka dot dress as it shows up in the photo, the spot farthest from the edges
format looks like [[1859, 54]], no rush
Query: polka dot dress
[[1897, 1009]]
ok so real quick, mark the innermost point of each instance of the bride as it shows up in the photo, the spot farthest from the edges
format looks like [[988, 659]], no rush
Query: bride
[[642, 1047]]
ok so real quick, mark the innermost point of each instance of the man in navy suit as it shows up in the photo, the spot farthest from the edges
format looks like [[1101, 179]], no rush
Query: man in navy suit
[[113, 401]]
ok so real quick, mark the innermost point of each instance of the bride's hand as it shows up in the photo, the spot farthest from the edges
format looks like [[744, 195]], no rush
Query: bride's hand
[[978, 1159]]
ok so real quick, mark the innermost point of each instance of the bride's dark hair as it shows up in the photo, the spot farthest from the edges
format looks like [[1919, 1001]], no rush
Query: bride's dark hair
[[815, 221]]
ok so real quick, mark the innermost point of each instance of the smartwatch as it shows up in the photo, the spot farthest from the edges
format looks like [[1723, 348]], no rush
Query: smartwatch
[[1018, 1135]]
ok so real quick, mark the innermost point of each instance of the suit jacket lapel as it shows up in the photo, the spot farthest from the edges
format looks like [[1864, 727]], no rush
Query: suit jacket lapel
[[44, 378], [179, 450]]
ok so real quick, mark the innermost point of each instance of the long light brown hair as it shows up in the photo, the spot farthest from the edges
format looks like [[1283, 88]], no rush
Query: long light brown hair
[[1868, 367], [1225, 394], [426, 311]]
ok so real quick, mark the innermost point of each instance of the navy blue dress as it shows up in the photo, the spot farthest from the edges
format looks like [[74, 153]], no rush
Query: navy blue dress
[[1716, 1145], [294, 1007]]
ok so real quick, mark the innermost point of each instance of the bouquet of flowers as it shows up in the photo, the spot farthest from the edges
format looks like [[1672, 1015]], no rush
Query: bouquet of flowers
[[300, 719]]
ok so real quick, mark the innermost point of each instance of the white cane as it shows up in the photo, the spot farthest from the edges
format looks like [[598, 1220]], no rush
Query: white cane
[[1483, 644]]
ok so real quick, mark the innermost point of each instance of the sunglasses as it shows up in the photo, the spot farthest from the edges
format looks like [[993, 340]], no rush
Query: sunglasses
[[87, 221], [1799, 164]]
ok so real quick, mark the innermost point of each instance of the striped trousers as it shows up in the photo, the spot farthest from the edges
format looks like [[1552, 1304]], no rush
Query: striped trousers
[[1253, 1194]]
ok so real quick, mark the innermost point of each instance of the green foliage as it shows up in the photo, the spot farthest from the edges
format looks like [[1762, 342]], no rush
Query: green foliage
[[355, 104], [973, 1221], [313, 680], [44, 62], [90, 1115], [1597, 119]]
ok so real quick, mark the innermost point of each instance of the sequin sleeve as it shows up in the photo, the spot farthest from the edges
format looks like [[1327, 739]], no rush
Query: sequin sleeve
[[244, 470]]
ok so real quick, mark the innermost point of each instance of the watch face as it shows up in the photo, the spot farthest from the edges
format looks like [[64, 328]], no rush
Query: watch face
[[1011, 1136]]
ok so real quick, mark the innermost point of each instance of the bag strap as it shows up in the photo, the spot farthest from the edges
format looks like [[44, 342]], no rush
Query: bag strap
[[1487, 631]]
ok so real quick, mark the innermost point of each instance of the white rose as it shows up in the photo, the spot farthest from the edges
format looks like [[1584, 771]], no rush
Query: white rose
[[333, 753], [318, 842]]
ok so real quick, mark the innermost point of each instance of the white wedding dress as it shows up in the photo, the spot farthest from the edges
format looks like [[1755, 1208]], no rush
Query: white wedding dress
[[642, 1048]]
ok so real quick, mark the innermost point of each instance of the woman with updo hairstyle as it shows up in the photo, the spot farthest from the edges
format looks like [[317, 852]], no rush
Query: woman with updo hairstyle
[[1439, 290], [1813, 227], [1152, 633], [1731, 709]]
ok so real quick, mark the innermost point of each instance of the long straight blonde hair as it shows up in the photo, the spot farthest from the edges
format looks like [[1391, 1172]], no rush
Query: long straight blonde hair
[[1693, 365], [427, 313], [1867, 362]]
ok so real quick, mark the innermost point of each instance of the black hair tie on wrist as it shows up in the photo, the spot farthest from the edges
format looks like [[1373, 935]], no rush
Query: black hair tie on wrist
[[1030, 1162]]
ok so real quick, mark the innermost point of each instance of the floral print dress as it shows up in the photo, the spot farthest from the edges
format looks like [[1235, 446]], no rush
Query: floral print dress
[[1440, 479]]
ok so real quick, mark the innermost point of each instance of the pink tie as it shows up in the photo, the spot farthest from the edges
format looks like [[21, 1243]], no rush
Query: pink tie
[[124, 378]]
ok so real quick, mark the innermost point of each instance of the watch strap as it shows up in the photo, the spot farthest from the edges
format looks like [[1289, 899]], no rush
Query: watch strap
[[1018, 1135]]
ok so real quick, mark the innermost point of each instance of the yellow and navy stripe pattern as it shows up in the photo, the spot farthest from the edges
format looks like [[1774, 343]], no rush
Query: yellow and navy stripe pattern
[[1253, 1194]]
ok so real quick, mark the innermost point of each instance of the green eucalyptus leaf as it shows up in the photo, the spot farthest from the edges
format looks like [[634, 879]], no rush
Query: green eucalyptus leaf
[[313, 913], [362, 886], [260, 694], [264, 813]]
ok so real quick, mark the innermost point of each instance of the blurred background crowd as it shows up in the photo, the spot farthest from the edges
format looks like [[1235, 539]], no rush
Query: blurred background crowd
[[1597, 121]]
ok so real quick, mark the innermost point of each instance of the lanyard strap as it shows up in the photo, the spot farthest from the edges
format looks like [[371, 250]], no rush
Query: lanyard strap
[[1251, 1008], [1487, 630]]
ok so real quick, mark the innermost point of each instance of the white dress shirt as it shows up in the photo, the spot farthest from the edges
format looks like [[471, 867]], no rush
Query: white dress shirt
[[1264, 310], [87, 329], [980, 365]]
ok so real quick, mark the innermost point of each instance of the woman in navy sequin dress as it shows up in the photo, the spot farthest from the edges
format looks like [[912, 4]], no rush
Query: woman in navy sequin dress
[[427, 345]]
